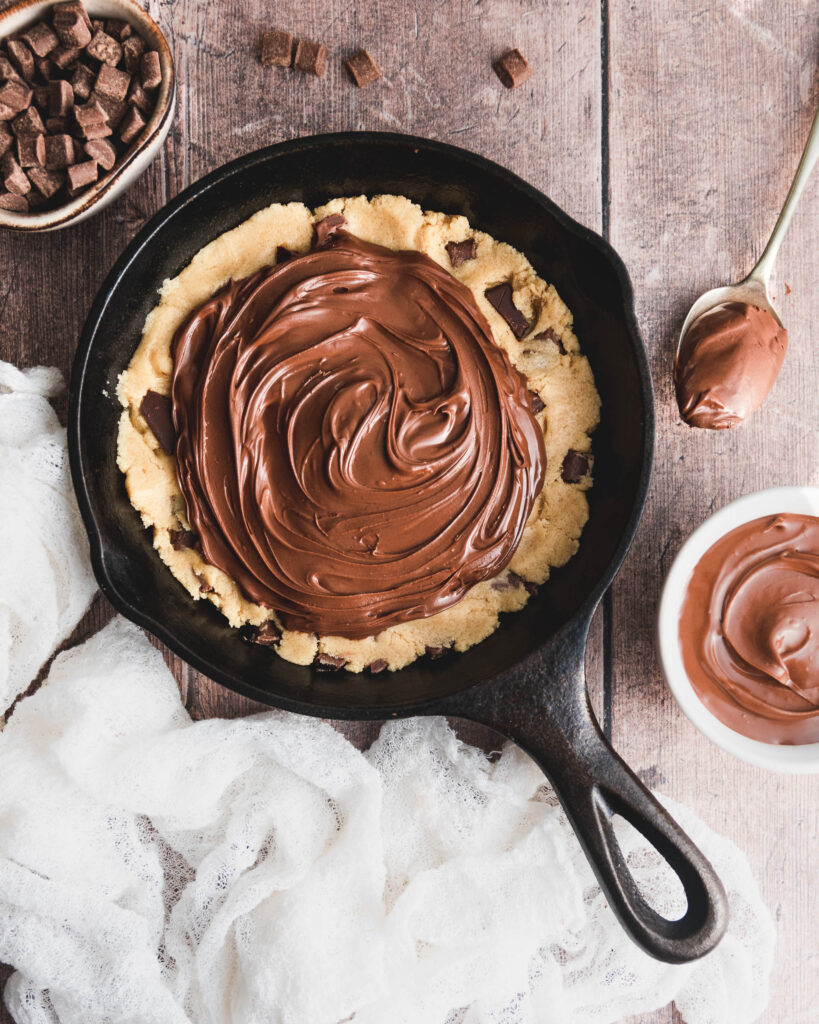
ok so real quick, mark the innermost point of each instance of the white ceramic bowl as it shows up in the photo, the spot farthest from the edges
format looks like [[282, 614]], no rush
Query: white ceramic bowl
[[140, 155], [803, 758]]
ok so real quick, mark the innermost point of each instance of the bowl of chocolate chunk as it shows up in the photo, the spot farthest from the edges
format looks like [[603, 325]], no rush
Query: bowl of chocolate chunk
[[739, 628], [86, 101]]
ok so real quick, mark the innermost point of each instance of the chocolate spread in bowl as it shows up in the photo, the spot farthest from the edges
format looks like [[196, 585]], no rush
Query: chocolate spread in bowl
[[727, 363], [749, 629], [354, 449]]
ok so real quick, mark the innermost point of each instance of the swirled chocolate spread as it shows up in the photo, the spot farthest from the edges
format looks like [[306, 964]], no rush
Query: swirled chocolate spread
[[749, 629], [353, 448], [727, 363]]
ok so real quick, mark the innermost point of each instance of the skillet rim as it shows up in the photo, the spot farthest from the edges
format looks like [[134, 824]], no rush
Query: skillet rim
[[85, 351]]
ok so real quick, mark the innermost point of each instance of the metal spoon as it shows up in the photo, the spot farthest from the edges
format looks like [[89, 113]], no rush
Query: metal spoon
[[753, 289]]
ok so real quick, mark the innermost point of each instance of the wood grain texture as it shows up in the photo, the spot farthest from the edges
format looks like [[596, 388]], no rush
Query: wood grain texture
[[637, 122]]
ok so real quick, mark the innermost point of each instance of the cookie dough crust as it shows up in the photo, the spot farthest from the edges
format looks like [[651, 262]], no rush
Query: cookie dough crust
[[563, 382]]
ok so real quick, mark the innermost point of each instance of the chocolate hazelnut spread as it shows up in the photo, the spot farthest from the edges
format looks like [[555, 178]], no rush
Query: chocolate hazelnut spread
[[727, 363], [749, 629], [353, 448]]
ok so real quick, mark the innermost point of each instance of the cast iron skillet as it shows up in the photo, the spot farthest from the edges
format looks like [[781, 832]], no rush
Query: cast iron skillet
[[527, 680]]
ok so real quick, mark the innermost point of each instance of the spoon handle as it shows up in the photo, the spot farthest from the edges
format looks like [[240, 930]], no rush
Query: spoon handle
[[762, 271]]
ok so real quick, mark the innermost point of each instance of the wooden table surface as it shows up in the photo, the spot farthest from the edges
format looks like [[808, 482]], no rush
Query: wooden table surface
[[673, 128]]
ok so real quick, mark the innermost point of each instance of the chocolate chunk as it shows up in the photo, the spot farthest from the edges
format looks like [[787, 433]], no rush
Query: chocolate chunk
[[65, 57], [13, 203], [376, 666], [328, 663], [82, 175], [6, 138], [28, 123], [311, 57], [436, 652], [72, 28], [60, 98], [283, 254], [266, 635], [158, 412], [14, 177], [21, 57], [114, 110], [48, 183], [82, 82], [509, 581], [181, 539], [538, 405], [460, 252], [363, 68], [41, 94], [15, 95], [31, 150], [55, 125], [112, 83], [104, 49], [90, 113], [72, 7], [324, 230], [138, 98], [549, 335], [118, 29], [501, 298], [79, 153], [575, 466], [531, 588], [132, 125], [103, 152], [97, 25], [150, 70], [7, 69], [46, 68], [97, 131], [132, 50], [512, 69], [277, 49], [204, 586], [59, 151], [40, 38]]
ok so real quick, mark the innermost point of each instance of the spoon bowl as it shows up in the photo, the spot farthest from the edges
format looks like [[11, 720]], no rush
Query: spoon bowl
[[753, 291]]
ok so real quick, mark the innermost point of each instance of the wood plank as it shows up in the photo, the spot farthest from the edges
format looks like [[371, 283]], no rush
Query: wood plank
[[710, 107]]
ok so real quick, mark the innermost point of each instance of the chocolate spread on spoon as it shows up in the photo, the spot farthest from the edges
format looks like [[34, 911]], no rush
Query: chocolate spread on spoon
[[353, 448], [749, 629], [727, 363]]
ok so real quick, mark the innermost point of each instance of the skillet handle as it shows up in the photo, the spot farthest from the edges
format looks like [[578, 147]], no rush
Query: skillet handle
[[545, 709]]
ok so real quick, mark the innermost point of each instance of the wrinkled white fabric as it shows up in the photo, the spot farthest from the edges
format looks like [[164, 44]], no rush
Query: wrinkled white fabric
[[159, 871], [46, 582]]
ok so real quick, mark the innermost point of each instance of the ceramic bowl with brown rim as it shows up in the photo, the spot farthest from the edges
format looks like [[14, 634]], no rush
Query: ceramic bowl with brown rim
[[143, 150]]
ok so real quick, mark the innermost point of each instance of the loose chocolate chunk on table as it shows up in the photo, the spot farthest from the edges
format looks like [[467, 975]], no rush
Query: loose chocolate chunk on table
[[575, 466], [501, 298], [512, 69], [328, 663], [460, 252], [363, 68], [158, 412], [277, 49], [311, 57], [549, 335], [324, 230]]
